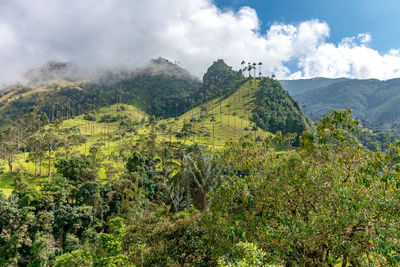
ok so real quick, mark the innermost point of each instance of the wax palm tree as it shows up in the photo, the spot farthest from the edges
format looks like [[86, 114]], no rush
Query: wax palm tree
[[243, 64], [244, 71], [254, 68]]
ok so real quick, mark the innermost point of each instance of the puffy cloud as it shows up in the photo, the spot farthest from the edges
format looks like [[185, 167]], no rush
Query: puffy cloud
[[351, 58], [104, 34]]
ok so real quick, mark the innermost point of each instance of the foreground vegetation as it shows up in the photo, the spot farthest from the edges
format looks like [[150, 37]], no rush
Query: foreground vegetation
[[257, 201]]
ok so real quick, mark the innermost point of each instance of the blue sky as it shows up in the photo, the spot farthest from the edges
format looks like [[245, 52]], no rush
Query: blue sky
[[345, 17]]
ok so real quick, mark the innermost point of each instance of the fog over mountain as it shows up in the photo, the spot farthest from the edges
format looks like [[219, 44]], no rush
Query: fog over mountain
[[125, 34]]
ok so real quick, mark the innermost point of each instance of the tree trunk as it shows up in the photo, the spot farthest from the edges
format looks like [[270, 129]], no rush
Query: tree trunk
[[202, 201], [40, 167], [49, 162], [344, 263], [187, 197], [10, 163]]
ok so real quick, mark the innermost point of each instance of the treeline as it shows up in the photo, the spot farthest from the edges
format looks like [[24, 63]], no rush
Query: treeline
[[329, 201]]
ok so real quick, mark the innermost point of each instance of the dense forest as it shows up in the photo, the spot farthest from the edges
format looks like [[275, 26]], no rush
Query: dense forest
[[255, 202], [231, 174]]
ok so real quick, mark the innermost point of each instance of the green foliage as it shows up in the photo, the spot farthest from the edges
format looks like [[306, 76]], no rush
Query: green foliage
[[15, 224], [77, 169], [75, 258], [164, 240], [200, 173], [136, 163], [327, 202], [106, 253], [109, 248], [276, 110], [42, 250], [245, 254], [144, 168]]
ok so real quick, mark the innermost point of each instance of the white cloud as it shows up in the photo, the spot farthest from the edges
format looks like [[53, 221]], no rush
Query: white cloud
[[127, 33], [351, 58], [364, 37]]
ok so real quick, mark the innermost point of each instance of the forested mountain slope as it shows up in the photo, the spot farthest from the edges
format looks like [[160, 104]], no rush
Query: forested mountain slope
[[374, 102]]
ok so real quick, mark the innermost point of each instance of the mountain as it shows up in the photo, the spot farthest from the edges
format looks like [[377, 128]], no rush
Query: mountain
[[297, 87], [220, 80], [376, 103], [54, 70], [161, 88]]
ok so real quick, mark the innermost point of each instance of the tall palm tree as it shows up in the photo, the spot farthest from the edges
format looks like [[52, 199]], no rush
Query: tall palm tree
[[243, 64], [259, 67], [254, 68], [244, 71]]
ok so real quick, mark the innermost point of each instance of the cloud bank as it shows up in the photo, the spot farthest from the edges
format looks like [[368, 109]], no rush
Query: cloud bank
[[108, 34]]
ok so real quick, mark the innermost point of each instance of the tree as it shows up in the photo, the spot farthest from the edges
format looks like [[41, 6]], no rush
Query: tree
[[75, 258], [254, 67], [199, 174], [77, 169], [245, 254], [9, 139], [108, 250], [52, 140], [243, 64], [36, 151], [15, 224]]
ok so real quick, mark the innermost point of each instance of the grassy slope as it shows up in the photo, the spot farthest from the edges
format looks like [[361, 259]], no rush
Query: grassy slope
[[40, 87], [96, 133], [232, 115], [208, 132]]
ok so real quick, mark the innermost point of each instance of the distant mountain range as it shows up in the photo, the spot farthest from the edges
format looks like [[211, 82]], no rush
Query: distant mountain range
[[297, 87], [376, 103]]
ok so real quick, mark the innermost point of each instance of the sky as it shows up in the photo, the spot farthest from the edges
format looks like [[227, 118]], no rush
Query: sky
[[292, 38], [345, 18]]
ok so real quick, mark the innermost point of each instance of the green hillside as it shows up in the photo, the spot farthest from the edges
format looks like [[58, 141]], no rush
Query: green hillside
[[115, 132], [374, 102], [220, 119]]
